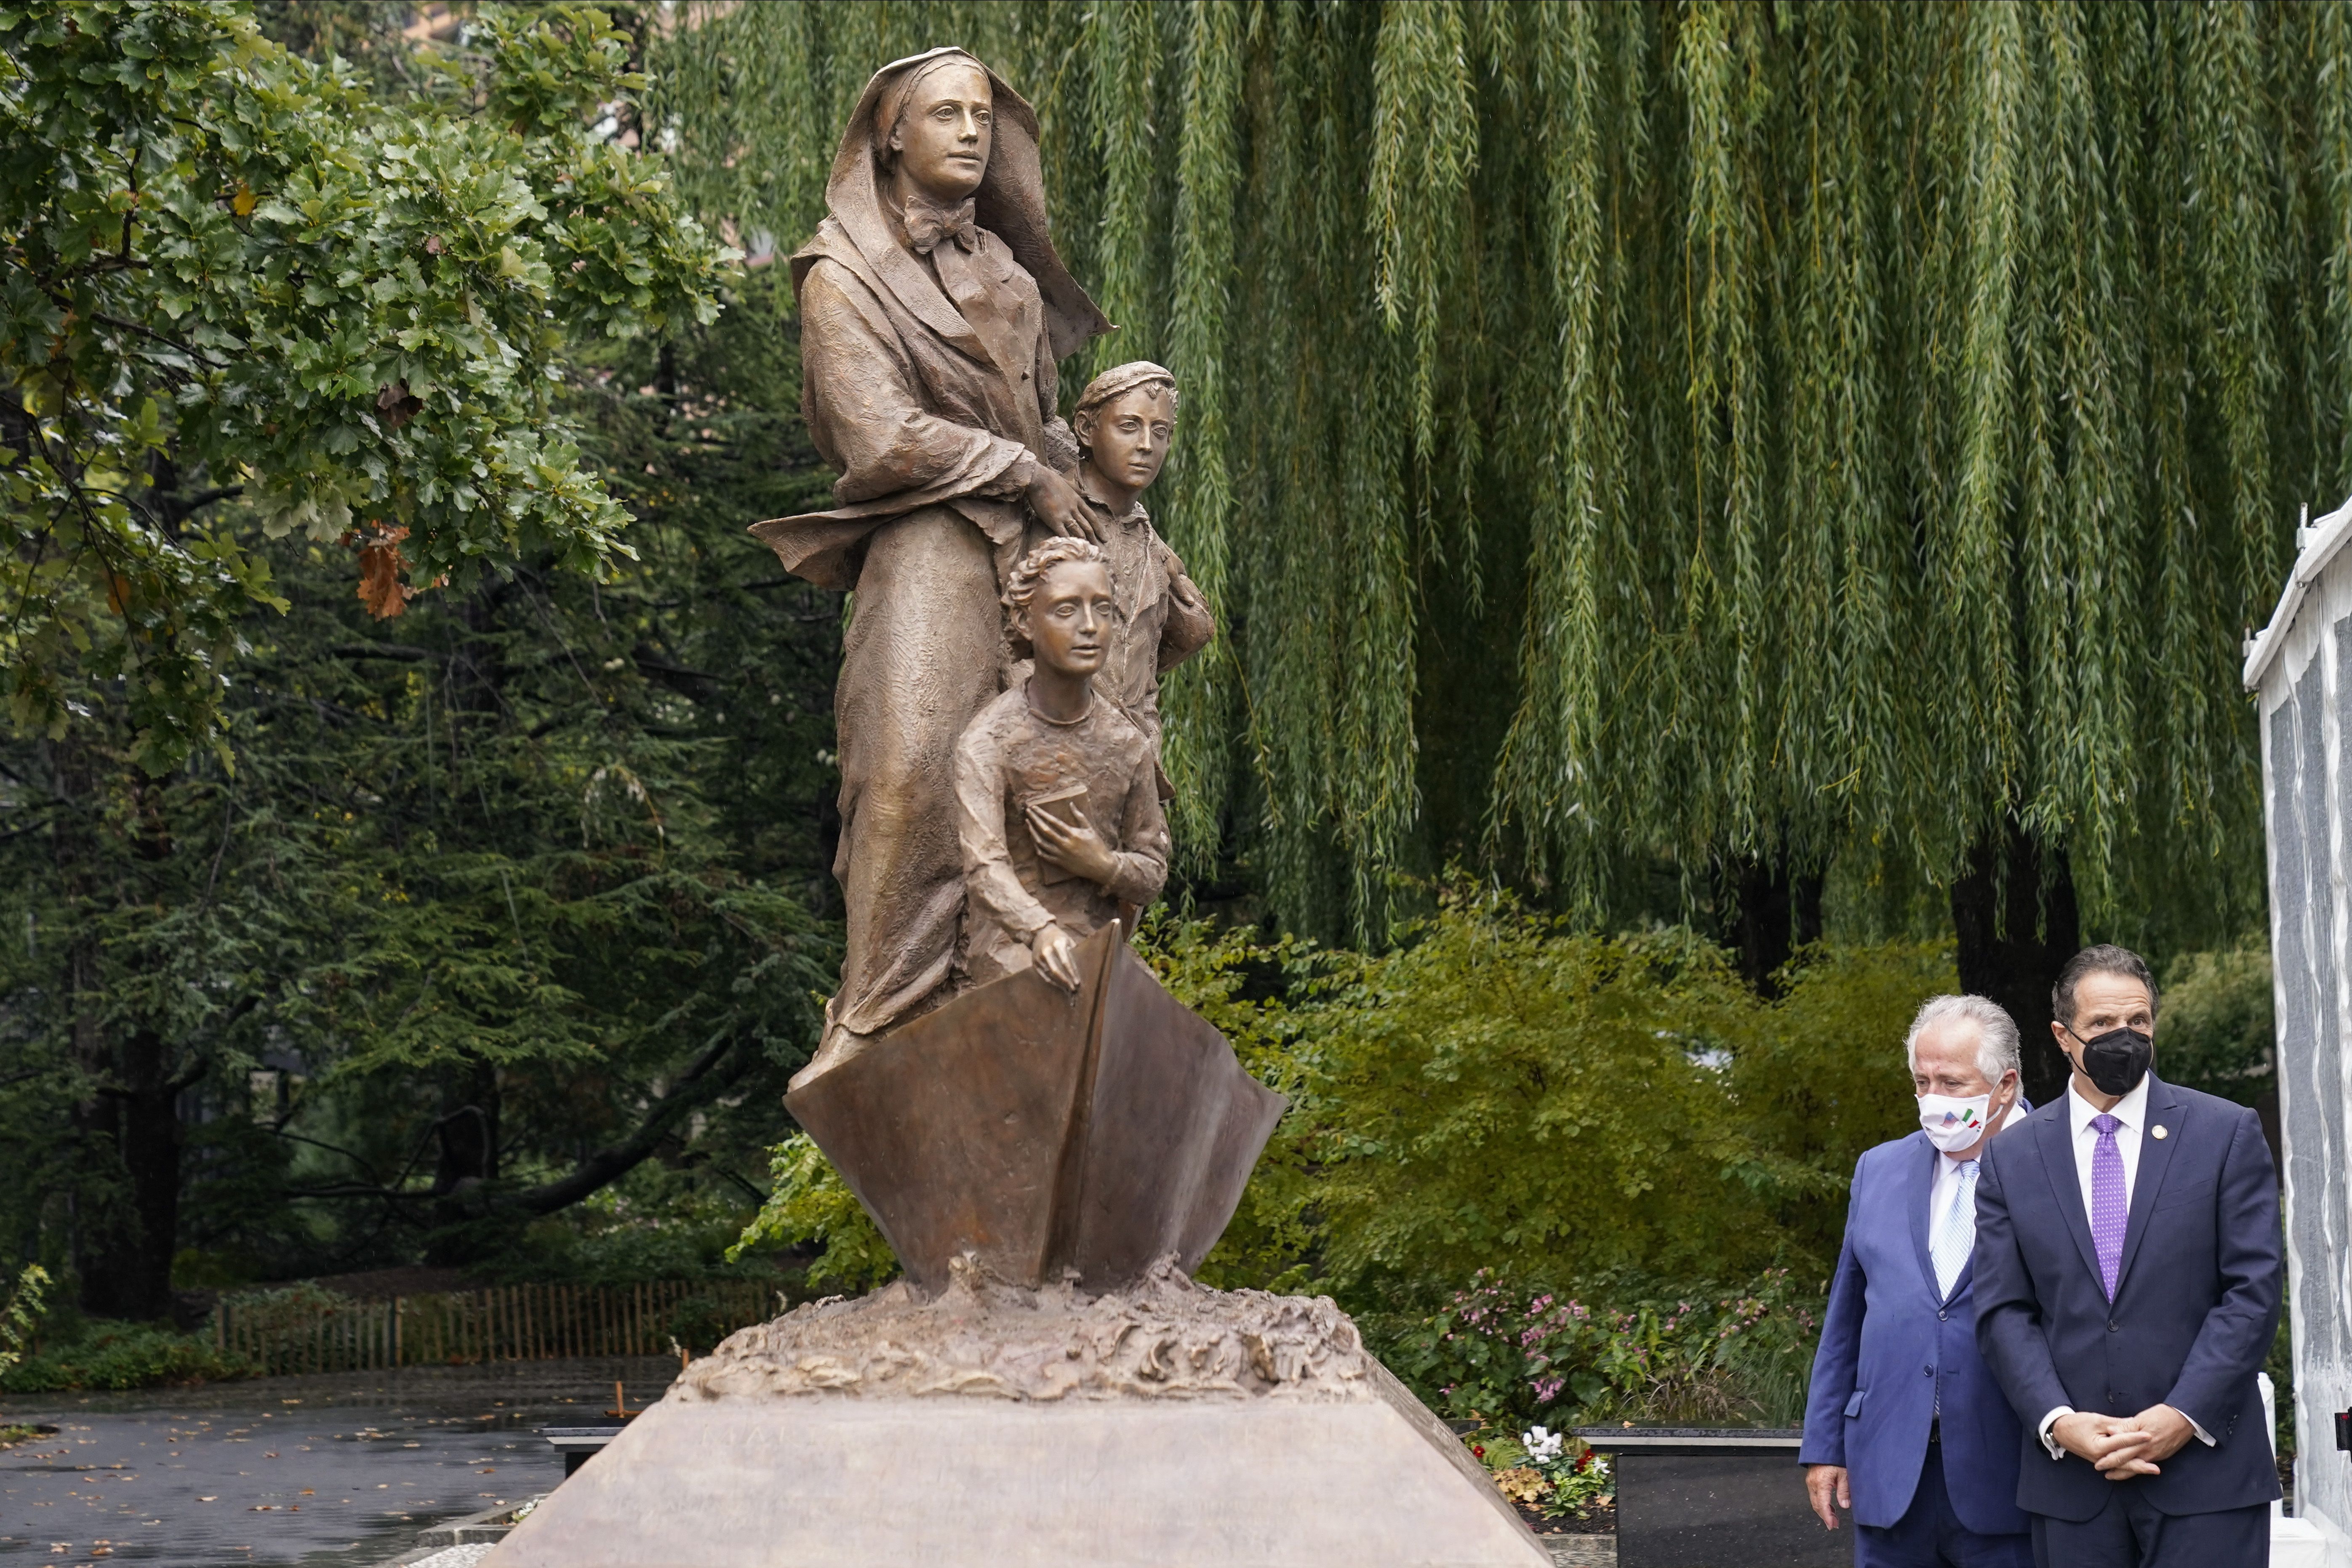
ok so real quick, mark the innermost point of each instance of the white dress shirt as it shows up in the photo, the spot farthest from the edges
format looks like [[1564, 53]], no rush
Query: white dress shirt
[[2131, 1112], [1945, 1185]]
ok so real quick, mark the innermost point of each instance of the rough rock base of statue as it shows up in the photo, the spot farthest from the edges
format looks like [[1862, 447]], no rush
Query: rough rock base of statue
[[1163, 1425]]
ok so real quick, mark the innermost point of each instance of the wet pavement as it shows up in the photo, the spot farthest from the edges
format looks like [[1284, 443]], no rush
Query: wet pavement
[[332, 1471]]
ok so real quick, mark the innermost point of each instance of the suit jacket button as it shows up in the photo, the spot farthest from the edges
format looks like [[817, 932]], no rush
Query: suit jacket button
[[1941, 1316], [1927, 1372], [2112, 1326]]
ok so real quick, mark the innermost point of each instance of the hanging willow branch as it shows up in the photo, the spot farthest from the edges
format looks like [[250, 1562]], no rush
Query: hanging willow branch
[[1817, 425]]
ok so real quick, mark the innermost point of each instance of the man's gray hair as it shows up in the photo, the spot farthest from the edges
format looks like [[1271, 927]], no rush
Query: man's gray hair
[[1996, 1032]]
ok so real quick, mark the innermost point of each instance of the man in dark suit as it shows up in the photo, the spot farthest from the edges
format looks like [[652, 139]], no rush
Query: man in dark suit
[[2128, 1272], [1904, 1425]]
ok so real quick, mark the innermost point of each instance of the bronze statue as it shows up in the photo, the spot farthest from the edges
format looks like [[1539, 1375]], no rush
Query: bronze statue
[[933, 311], [1056, 792], [1124, 421], [1050, 1141]]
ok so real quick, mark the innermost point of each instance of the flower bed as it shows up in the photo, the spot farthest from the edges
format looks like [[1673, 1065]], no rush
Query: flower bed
[[1558, 1485], [1512, 1357]]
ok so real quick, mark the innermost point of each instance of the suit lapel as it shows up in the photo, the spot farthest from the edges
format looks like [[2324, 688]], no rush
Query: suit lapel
[[2163, 1110], [1919, 1181], [2053, 1141]]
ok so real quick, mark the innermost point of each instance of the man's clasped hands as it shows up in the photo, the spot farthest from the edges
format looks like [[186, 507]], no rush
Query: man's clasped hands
[[2123, 1446]]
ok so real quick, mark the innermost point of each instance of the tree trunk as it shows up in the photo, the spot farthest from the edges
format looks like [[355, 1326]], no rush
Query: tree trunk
[[1776, 911], [127, 1223], [126, 1268], [468, 1130], [2014, 912]]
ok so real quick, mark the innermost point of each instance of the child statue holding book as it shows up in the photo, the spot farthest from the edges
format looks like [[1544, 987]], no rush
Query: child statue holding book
[[1057, 803]]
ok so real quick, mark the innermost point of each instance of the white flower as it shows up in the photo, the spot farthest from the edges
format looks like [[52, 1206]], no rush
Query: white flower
[[1543, 1445]]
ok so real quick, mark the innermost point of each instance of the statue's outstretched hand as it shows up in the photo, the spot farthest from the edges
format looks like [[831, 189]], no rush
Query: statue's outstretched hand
[[1077, 849], [1058, 957], [1059, 505]]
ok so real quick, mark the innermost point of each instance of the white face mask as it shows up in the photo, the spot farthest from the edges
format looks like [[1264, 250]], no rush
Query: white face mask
[[1953, 1124]]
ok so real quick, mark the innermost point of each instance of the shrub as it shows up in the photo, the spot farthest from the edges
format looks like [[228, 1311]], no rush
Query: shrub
[[20, 1320], [1499, 1087], [1819, 1076], [123, 1355], [811, 1204], [297, 1305], [649, 1226], [1502, 1091], [1506, 1354], [2215, 1031]]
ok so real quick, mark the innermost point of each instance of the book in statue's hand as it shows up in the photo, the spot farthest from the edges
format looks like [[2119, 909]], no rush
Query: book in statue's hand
[[1066, 804]]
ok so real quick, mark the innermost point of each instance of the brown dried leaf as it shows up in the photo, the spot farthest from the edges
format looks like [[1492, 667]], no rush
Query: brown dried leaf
[[396, 405], [380, 564]]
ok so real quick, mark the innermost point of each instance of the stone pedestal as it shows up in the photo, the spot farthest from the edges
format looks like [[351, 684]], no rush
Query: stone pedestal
[[1163, 1427]]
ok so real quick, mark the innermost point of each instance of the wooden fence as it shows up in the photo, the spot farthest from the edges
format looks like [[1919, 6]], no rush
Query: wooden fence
[[517, 1322]]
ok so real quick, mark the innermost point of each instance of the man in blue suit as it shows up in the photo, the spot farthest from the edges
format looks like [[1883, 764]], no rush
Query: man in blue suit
[[2128, 1274], [1904, 1425]]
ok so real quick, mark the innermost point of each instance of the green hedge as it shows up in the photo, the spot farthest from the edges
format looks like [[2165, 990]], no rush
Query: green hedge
[[123, 1356]]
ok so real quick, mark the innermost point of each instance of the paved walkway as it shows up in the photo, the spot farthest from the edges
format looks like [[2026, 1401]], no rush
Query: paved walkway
[[327, 1472]]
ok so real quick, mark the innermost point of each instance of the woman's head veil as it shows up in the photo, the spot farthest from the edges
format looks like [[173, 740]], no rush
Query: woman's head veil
[[1009, 204]]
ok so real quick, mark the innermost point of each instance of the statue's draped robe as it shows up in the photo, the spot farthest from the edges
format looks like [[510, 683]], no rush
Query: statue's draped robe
[[929, 384]]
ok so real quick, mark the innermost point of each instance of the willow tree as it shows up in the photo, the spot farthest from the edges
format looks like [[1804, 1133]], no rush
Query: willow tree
[[1702, 434]]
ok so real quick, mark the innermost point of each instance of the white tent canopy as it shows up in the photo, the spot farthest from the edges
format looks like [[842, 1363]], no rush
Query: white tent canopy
[[2300, 666]]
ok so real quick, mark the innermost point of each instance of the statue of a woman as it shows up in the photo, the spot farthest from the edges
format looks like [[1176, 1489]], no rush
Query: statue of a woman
[[933, 310]]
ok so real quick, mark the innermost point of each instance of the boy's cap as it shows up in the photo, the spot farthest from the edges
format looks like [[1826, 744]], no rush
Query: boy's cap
[[1125, 377]]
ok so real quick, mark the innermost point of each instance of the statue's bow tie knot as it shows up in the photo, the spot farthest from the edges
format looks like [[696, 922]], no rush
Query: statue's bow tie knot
[[926, 225]]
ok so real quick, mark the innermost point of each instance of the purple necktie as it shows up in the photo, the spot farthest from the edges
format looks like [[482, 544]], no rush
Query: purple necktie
[[2108, 1210]]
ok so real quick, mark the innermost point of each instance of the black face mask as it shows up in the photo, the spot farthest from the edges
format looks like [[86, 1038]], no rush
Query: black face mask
[[2117, 1060]]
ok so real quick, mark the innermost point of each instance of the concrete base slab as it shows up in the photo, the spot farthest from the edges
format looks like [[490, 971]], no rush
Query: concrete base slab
[[837, 1482], [2297, 1543]]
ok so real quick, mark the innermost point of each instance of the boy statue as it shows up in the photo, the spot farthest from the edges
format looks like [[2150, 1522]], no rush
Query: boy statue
[[1124, 421], [1058, 807]]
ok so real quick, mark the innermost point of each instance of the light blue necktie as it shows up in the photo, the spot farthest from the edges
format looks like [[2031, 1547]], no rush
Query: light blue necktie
[[1955, 1234]]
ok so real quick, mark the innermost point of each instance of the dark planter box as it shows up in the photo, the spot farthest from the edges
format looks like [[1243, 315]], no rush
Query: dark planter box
[[578, 1445], [1714, 1497]]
